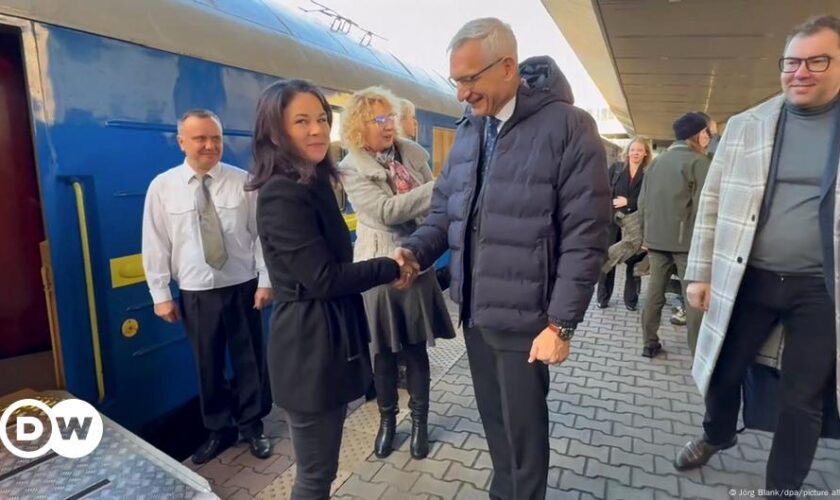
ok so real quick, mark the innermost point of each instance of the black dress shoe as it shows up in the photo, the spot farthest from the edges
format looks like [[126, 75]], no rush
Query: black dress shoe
[[650, 351], [630, 307], [698, 451], [603, 305], [215, 444], [260, 446]]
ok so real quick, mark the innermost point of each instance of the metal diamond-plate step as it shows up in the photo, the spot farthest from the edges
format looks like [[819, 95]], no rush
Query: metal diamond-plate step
[[122, 466]]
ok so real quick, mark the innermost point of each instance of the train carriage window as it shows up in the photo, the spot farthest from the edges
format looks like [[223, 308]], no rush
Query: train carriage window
[[442, 140]]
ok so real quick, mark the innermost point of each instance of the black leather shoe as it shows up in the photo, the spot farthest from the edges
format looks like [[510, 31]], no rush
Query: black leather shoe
[[630, 307], [260, 446], [603, 305], [215, 444], [650, 351], [698, 451]]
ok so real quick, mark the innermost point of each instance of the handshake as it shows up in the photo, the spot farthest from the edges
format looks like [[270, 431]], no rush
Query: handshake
[[409, 268]]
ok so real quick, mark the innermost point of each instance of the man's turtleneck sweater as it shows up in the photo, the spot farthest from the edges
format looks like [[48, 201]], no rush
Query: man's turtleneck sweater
[[789, 239]]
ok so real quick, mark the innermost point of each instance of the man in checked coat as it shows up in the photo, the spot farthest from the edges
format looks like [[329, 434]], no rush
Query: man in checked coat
[[765, 251]]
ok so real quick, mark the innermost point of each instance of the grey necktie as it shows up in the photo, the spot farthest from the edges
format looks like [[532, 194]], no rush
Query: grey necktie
[[210, 227]]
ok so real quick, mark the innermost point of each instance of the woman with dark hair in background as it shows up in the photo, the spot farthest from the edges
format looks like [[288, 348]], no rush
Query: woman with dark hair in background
[[318, 359], [626, 178]]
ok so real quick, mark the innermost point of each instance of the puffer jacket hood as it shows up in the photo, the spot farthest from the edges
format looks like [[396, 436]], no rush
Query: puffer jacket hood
[[541, 75]]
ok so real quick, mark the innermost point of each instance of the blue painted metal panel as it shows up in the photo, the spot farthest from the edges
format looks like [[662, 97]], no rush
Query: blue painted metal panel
[[114, 109]]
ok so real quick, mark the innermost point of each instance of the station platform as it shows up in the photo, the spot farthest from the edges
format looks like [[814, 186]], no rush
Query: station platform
[[617, 421]]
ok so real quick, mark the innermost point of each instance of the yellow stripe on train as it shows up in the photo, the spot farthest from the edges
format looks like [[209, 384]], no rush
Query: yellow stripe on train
[[128, 270]]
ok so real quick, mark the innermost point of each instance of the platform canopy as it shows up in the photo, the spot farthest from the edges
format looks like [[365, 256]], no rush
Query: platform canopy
[[653, 60]]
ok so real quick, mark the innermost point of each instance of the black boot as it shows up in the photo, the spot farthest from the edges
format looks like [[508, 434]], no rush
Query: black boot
[[386, 399], [417, 380]]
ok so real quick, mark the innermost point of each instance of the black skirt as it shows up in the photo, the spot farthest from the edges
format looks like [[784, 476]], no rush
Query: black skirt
[[412, 316]]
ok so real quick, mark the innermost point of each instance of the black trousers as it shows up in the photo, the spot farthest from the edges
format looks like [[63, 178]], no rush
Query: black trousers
[[220, 320], [316, 439], [418, 375], [632, 284], [806, 311], [510, 394]]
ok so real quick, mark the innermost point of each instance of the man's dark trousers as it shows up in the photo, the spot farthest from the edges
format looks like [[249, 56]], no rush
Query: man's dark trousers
[[510, 394], [806, 311], [225, 318]]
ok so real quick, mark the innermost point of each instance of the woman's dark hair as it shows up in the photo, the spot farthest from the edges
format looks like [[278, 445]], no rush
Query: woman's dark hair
[[278, 156]]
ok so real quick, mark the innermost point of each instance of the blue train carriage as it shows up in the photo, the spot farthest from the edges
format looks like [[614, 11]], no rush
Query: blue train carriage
[[89, 97]]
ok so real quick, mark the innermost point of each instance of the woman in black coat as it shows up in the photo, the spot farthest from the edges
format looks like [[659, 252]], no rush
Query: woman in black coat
[[318, 359], [626, 181]]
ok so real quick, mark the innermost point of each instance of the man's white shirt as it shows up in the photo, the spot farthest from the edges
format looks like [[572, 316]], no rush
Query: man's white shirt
[[171, 240]]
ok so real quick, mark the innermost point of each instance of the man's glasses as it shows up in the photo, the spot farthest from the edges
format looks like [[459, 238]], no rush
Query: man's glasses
[[470, 81], [816, 64], [382, 120]]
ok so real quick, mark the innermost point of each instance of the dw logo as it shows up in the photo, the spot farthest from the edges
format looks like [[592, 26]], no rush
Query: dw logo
[[76, 428]]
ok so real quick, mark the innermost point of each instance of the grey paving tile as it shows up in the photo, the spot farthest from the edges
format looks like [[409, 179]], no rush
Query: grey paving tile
[[399, 478], [642, 479], [642, 433], [639, 460], [433, 486], [449, 452], [475, 442], [690, 489], [595, 486], [604, 426], [356, 487], [435, 468], [483, 461], [608, 440], [368, 468], [620, 473], [467, 425], [602, 453], [480, 478], [470, 492], [619, 491]]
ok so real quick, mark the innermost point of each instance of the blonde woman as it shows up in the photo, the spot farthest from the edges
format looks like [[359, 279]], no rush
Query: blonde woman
[[389, 184], [626, 178]]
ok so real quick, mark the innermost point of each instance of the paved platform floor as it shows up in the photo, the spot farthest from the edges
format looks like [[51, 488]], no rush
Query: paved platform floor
[[617, 421]]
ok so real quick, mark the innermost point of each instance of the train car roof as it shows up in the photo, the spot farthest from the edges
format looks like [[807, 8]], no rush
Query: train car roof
[[256, 35]]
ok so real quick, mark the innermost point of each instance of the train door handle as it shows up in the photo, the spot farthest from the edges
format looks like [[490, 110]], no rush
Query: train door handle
[[91, 297]]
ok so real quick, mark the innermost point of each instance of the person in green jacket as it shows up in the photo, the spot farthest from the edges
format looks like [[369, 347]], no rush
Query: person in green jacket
[[667, 207]]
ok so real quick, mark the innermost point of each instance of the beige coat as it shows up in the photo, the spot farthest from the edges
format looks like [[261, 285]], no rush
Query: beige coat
[[385, 217], [725, 228]]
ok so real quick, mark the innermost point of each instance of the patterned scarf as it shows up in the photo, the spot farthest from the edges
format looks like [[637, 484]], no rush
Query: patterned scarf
[[401, 180]]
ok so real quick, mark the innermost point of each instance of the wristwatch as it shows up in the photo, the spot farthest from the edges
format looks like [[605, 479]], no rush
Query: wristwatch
[[565, 334]]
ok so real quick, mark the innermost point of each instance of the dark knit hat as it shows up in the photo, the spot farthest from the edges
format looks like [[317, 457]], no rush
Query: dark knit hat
[[689, 125]]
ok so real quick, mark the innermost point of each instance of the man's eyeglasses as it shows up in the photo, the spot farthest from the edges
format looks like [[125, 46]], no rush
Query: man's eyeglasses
[[816, 64], [470, 81], [381, 120]]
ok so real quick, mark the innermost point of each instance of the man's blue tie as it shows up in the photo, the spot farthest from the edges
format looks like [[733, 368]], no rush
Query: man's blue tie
[[491, 132]]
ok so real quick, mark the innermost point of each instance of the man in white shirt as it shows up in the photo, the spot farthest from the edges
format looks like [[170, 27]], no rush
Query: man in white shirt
[[199, 230]]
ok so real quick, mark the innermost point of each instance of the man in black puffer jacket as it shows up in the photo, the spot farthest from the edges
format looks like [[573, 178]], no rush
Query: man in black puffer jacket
[[524, 205]]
